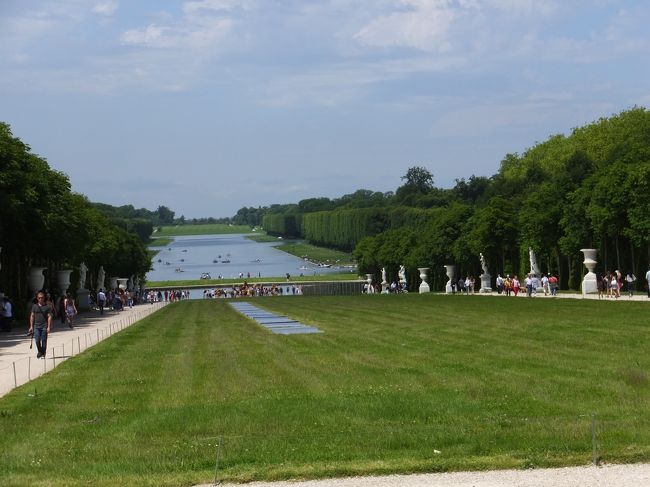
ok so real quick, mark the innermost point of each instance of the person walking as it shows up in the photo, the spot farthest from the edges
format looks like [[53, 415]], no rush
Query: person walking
[[70, 310], [101, 301], [6, 314], [630, 278], [40, 323]]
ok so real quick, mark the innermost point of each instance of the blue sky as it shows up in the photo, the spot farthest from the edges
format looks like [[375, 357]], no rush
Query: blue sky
[[206, 106]]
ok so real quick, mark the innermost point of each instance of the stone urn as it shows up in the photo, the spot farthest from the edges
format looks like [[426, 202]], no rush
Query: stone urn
[[589, 282], [424, 287], [370, 288], [121, 282], [36, 279], [63, 280], [451, 274]]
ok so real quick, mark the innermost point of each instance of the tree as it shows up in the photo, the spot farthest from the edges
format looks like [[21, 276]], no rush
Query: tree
[[165, 215]]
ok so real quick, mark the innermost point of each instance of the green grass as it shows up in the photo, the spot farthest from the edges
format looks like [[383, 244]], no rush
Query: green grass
[[262, 238], [208, 229], [317, 254], [160, 241], [343, 276], [407, 383]]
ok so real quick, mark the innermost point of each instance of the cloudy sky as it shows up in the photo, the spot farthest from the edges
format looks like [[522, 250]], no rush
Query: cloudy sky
[[206, 106]]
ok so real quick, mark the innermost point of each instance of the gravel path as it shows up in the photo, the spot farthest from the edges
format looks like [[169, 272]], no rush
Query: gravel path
[[636, 475]]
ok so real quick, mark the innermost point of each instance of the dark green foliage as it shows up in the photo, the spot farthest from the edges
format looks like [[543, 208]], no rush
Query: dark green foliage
[[43, 223]]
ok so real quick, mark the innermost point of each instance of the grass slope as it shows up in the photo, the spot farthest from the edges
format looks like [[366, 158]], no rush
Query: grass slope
[[395, 384], [207, 229]]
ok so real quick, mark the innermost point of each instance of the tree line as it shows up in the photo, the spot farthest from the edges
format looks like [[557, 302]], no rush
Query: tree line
[[44, 223], [588, 189]]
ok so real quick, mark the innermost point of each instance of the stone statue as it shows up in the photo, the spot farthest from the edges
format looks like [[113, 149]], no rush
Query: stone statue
[[82, 276], [533, 262], [483, 264], [383, 274], [101, 277], [402, 274]]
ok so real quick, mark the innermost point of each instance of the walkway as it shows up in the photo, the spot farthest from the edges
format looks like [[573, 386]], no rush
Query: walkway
[[18, 363], [280, 325]]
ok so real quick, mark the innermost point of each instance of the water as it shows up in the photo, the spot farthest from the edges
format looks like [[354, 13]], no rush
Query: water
[[188, 257]]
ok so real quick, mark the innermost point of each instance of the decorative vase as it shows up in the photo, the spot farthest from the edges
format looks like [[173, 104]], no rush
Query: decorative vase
[[370, 288], [63, 280], [121, 282], [589, 282], [36, 278], [424, 287], [451, 274]]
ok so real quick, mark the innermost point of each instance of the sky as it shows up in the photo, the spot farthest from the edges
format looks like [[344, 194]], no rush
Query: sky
[[207, 106]]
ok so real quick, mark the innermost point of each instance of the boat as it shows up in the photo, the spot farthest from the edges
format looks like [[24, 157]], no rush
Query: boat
[[227, 261]]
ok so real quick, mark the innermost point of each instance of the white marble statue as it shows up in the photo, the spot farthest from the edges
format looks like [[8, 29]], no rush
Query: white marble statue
[[82, 276], [101, 277], [402, 274], [483, 264], [533, 262], [383, 275]]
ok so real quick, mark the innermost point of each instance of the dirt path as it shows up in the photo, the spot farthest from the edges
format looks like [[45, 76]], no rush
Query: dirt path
[[636, 475]]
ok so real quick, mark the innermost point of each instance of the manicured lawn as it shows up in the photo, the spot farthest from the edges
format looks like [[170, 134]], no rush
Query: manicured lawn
[[208, 229], [403, 383], [264, 238], [317, 254]]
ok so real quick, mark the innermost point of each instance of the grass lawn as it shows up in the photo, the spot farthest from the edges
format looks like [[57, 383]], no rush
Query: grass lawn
[[317, 254], [207, 229], [160, 242], [405, 383], [343, 276], [262, 238]]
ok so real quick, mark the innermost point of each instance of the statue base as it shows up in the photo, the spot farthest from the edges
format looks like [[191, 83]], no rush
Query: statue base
[[486, 283], [589, 284], [83, 299], [448, 288], [424, 288]]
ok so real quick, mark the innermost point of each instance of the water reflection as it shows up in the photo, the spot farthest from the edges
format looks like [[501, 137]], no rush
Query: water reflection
[[228, 256]]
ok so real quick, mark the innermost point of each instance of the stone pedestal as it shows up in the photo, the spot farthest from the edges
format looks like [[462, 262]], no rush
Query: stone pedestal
[[83, 299], [451, 274], [371, 289], [486, 283], [424, 287], [589, 282]]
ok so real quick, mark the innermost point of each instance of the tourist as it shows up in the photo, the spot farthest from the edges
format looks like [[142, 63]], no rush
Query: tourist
[[630, 278], [101, 301], [40, 323], [529, 286], [507, 285], [515, 286], [499, 283], [6, 314], [600, 285], [552, 284], [70, 310], [615, 291], [545, 285]]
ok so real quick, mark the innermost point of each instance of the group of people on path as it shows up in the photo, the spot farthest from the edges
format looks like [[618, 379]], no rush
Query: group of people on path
[[610, 284]]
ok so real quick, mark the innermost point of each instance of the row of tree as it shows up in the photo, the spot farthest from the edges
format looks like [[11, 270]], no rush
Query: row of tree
[[44, 223], [589, 189]]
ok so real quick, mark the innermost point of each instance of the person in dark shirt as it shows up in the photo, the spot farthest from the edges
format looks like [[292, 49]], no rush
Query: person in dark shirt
[[40, 323]]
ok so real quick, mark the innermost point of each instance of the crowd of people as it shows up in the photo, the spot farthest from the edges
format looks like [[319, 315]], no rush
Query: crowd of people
[[246, 290], [610, 284]]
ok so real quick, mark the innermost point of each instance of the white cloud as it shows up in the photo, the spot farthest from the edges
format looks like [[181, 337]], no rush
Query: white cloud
[[192, 7], [106, 8]]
